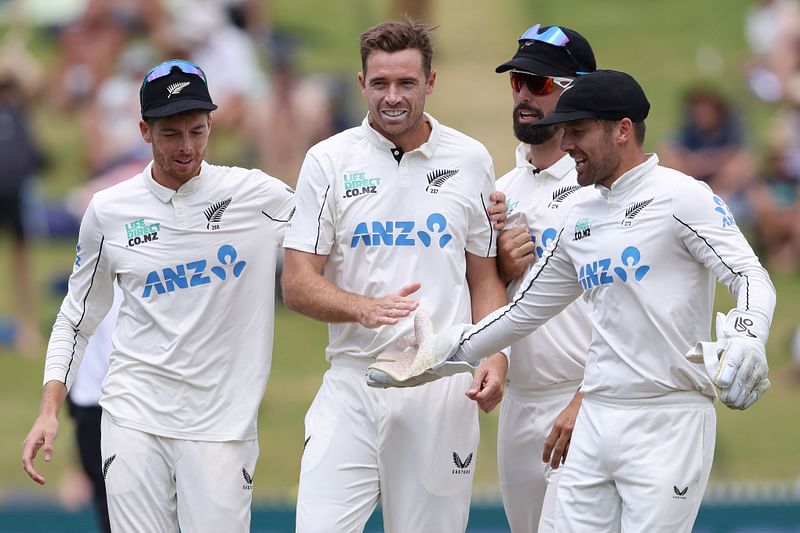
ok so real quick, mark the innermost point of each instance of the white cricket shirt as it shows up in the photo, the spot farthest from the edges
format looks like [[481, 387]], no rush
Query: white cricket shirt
[[645, 254], [193, 342], [556, 352], [384, 224]]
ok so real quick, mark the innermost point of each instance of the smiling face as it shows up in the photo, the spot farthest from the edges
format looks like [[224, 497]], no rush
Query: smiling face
[[395, 86], [529, 108], [179, 146], [591, 143]]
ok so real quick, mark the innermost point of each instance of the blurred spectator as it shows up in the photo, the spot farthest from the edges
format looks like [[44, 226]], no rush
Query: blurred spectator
[[710, 145], [20, 159], [89, 46], [111, 120], [298, 112], [776, 199], [202, 31], [772, 29]]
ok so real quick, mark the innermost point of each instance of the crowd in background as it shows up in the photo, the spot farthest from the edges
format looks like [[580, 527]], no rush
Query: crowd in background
[[276, 113]]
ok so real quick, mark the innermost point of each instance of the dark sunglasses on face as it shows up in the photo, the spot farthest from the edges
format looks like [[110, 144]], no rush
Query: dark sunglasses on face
[[537, 85]]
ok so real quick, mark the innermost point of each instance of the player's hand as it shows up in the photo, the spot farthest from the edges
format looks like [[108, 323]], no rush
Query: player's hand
[[489, 381], [42, 435], [388, 310], [737, 361], [556, 445], [498, 210], [515, 251]]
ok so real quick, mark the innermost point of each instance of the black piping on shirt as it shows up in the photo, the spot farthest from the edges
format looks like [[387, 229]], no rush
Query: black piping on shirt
[[83, 314], [746, 279]]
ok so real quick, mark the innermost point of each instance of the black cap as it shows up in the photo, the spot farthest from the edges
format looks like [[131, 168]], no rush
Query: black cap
[[604, 94], [175, 92], [546, 59]]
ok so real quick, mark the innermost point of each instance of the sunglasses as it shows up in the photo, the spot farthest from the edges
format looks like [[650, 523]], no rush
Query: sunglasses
[[554, 36], [537, 85], [164, 69]]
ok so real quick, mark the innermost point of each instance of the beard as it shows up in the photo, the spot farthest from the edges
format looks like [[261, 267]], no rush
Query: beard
[[530, 133]]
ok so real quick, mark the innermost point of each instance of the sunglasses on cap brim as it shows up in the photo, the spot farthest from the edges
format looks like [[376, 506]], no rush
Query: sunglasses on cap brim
[[554, 36]]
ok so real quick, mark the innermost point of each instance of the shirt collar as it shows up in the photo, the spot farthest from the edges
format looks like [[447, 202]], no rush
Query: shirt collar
[[382, 143], [558, 170], [165, 194], [631, 178]]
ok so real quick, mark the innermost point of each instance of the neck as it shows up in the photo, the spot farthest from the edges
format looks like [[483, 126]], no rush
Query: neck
[[627, 162], [546, 154], [411, 139]]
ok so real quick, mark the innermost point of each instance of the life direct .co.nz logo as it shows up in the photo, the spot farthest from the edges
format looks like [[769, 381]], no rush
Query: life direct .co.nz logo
[[193, 274], [401, 233], [600, 272]]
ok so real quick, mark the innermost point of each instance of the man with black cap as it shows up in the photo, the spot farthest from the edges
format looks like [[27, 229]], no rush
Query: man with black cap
[[542, 395], [646, 253], [193, 248]]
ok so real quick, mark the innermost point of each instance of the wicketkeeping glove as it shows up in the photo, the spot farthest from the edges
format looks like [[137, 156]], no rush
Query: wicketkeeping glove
[[737, 361], [430, 357]]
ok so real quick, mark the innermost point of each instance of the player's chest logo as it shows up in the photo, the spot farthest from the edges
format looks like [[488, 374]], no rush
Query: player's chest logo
[[561, 194], [630, 267], [583, 229], [214, 214], [195, 273], [140, 232], [437, 179], [358, 184], [633, 210], [383, 233]]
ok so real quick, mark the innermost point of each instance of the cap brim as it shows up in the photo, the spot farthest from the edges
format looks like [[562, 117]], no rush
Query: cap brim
[[560, 118], [179, 106], [534, 66]]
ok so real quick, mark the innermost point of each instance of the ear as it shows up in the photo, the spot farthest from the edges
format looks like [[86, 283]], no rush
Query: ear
[[430, 82], [625, 131], [362, 83], [147, 133]]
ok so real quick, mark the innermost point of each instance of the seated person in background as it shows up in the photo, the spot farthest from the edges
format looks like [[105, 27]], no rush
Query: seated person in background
[[710, 145]]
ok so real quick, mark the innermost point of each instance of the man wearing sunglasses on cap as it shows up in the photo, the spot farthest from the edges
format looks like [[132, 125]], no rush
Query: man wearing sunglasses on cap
[[392, 215], [546, 368], [646, 253], [192, 247]]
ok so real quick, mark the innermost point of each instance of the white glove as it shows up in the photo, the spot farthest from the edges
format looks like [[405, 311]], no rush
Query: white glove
[[429, 359], [737, 361]]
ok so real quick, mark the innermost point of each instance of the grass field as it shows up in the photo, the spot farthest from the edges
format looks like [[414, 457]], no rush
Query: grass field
[[657, 40]]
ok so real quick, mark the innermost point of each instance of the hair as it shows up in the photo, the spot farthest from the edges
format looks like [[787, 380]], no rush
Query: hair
[[639, 129], [396, 36]]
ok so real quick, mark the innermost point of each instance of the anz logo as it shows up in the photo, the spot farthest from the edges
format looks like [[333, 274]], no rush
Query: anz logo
[[545, 241], [722, 209], [602, 272], [401, 233], [194, 274]]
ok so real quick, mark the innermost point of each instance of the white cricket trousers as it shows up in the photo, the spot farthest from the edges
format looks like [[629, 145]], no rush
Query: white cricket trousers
[[158, 484], [637, 466], [414, 450], [527, 484]]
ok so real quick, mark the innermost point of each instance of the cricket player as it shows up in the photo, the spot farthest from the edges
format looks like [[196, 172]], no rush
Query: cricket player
[[546, 368], [646, 253], [392, 214], [192, 247]]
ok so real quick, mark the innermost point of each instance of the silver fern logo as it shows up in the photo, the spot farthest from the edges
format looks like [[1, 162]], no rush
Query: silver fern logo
[[176, 88], [559, 195], [214, 213], [436, 179], [107, 464], [634, 209]]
